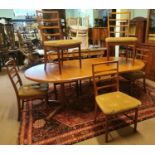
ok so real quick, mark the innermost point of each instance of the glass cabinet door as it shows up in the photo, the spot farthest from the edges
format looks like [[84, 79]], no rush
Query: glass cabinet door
[[150, 30]]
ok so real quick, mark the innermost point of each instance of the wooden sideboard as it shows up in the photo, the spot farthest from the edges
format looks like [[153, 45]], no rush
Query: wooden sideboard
[[138, 26], [150, 71], [97, 35]]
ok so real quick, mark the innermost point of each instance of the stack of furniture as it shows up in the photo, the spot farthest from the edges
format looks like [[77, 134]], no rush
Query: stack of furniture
[[8, 46]]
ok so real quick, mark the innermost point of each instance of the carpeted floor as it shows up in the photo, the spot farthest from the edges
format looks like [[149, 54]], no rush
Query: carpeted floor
[[75, 122], [9, 126]]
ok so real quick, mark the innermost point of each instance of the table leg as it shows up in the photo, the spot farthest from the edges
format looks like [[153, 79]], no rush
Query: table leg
[[62, 101]]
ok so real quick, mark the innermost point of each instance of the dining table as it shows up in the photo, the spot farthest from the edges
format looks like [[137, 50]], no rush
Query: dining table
[[72, 72]]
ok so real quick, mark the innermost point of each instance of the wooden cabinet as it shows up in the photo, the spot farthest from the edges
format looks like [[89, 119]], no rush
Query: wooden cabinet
[[150, 71], [150, 30], [149, 42], [97, 35], [138, 28]]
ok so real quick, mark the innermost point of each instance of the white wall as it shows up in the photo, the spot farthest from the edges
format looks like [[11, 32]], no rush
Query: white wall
[[81, 13], [7, 13], [139, 13]]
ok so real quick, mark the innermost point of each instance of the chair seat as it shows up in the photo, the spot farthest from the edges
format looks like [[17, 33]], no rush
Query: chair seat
[[133, 75], [151, 35], [33, 89], [121, 39], [151, 39], [62, 43], [115, 102]]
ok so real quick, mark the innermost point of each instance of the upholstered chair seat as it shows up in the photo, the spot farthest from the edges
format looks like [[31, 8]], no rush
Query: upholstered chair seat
[[121, 39], [117, 102], [134, 75], [33, 89]]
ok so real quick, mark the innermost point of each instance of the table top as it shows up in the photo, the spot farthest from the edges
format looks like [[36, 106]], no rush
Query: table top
[[71, 70], [62, 43]]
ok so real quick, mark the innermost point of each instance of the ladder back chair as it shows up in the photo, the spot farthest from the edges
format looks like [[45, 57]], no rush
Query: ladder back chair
[[80, 31], [118, 32], [49, 24], [50, 28], [25, 92], [142, 54], [105, 79]]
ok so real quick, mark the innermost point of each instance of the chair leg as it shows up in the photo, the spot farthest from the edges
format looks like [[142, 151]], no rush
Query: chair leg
[[19, 108], [144, 83], [133, 53], [106, 129], [108, 50], [95, 112], [77, 88], [135, 120], [46, 99]]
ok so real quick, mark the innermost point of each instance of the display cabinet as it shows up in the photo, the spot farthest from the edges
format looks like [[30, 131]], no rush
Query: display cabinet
[[149, 43], [150, 30]]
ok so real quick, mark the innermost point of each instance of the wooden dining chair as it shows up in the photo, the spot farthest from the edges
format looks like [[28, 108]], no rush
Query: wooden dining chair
[[118, 32], [105, 76], [80, 31], [25, 92], [142, 54]]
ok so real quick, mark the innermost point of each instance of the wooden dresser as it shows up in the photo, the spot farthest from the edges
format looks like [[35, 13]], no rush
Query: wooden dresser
[[97, 35], [150, 73]]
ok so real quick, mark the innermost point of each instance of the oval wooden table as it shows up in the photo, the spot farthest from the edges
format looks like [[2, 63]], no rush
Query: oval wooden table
[[71, 71]]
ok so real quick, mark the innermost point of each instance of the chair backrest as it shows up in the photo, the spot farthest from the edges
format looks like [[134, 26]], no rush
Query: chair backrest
[[72, 21], [85, 21], [49, 24], [105, 75], [143, 54], [13, 75], [119, 23]]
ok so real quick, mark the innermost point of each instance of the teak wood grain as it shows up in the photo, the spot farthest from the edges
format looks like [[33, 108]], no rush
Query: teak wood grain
[[71, 70]]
